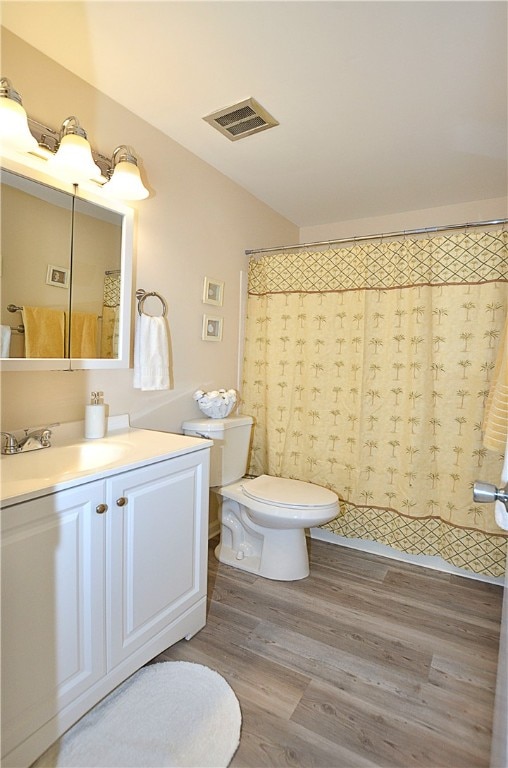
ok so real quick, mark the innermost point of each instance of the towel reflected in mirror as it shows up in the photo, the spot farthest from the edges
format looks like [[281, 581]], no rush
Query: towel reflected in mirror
[[44, 332], [83, 335], [5, 340]]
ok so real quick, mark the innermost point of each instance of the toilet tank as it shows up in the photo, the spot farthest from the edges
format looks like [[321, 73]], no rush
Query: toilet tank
[[231, 443]]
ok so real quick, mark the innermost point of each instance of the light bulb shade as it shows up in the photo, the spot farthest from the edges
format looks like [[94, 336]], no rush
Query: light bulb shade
[[126, 184], [14, 131], [73, 159]]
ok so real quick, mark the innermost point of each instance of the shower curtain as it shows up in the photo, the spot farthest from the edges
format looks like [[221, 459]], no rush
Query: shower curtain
[[367, 370], [110, 315]]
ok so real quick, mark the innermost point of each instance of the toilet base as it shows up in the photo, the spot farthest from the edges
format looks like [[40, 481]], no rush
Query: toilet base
[[275, 554]]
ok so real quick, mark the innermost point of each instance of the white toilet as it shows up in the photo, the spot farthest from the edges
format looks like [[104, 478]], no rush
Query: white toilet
[[263, 520]]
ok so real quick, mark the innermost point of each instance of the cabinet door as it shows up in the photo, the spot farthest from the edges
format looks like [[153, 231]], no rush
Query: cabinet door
[[52, 606], [157, 541]]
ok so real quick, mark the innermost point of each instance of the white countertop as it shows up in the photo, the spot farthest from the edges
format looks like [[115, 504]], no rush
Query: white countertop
[[72, 460]]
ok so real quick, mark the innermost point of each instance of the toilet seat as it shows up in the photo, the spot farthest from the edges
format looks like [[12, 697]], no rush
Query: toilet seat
[[284, 492]]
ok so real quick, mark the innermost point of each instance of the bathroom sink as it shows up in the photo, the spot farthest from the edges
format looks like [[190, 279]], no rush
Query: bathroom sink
[[65, 461], [83, 457], [71, 461]]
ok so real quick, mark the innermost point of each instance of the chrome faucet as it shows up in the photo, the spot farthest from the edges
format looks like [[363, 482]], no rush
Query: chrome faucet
[[34, 440], [10, 445]]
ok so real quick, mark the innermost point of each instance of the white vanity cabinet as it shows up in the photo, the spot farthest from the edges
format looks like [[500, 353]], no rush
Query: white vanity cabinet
[[52, 609], [97, 579], [157, 547]]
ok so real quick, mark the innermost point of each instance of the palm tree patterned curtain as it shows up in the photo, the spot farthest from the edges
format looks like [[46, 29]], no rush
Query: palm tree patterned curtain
[[110, 316], [367, 369]]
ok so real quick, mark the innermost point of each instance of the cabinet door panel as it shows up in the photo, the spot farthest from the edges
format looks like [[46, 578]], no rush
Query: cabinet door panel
[[156, 542], [52, 604]]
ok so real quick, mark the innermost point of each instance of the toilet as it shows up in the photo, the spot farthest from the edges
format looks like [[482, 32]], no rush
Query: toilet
[[263, 520]]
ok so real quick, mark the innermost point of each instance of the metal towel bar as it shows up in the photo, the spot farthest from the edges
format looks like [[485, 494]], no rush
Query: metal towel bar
[[17, 328]]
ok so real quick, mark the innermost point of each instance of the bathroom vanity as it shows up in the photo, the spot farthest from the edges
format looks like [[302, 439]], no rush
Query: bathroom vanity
[[104, 554]]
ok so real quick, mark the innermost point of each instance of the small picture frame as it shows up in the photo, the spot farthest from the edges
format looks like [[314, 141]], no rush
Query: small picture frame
[[213, 292], [57, 276], [212, 328]]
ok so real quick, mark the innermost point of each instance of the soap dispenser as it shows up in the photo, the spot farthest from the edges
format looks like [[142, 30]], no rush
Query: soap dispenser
[[95, 416]]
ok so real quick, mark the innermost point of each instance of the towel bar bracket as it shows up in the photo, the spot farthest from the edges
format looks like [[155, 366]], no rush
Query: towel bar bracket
[[16, 328], [141, 295]]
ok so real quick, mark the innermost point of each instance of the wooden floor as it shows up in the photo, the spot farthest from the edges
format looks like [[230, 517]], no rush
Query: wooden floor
[[367, 662]]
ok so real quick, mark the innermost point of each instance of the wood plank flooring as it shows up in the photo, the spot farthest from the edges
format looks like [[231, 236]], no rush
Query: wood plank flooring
[[367, 662]]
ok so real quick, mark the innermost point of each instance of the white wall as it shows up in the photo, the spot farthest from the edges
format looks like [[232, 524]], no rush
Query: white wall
[[196, 223]]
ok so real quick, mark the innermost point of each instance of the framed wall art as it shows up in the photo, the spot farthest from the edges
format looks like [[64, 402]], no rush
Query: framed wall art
[[213, 292], [212, 328], [57, 276]]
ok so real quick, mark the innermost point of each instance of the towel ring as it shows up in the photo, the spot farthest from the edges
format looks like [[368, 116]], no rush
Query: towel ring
[[142, 295]]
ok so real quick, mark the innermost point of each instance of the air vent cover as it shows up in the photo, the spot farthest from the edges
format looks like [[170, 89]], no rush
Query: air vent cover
[[242, 119]]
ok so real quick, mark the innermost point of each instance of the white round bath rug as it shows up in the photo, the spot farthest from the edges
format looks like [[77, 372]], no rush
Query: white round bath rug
[[172, 714]]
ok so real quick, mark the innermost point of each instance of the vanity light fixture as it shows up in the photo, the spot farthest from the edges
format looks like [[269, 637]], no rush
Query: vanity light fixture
[[73, 158], [66, 153], [124, 177], [14, 131]]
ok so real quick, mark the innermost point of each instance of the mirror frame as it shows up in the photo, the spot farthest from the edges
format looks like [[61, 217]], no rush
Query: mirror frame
[[30, 169]]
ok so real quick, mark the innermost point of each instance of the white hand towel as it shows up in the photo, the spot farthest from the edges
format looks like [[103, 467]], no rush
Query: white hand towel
[[5, 340], [151, 354], [500, 510]]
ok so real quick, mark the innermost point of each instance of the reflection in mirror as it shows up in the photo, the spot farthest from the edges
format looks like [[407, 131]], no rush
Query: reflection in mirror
[[96, 272], [36, 238], [66, 265]]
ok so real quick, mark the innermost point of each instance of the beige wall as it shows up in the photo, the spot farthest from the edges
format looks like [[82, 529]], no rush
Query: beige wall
[[196, 223], [480, 210]]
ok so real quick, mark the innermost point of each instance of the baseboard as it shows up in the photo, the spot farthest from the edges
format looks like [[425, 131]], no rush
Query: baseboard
[[423, 561], [213, 529]]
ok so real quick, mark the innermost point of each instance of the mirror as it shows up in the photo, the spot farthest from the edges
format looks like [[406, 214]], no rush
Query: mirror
[[66, 274]]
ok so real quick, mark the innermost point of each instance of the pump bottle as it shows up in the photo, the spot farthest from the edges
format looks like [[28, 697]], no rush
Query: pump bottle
[[95, 416]]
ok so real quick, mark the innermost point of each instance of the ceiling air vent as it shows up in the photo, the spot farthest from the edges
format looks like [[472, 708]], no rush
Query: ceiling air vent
[[242, 119]]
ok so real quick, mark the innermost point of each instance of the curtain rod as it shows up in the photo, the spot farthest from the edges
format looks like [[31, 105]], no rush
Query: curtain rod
[[382, 235]]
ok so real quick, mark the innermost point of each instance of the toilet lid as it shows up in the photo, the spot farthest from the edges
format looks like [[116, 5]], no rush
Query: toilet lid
[[284, 492]]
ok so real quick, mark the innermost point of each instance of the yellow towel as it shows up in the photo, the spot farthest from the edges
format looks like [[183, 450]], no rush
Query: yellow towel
[[495, 423], [44, 332], [83, 335]]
